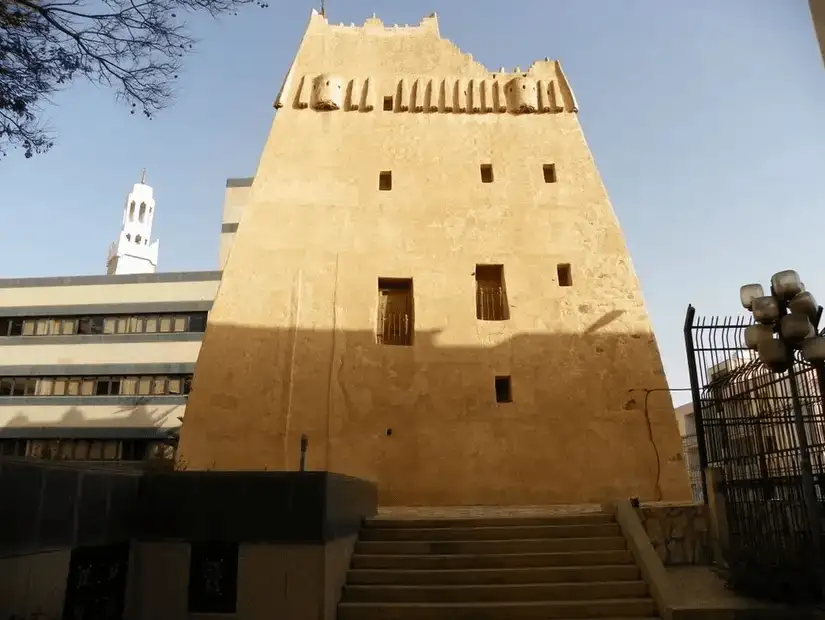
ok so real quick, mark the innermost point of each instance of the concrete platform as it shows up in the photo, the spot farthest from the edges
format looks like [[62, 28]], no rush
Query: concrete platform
[[701, 593], [694, 592]]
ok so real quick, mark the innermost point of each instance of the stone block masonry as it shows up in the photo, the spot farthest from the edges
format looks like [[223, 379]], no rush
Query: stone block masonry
[[679, 532]]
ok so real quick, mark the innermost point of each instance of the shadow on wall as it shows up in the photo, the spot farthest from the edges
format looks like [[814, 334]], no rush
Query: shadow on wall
[[425, 422], [141, 414]]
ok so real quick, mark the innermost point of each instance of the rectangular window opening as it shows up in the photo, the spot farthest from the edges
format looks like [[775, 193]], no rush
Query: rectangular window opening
[[95, 386], [549, 173], [486, 173], [385, 181], [565, 274], [491, 294], [504, 390], [388, 105], [395, 311]]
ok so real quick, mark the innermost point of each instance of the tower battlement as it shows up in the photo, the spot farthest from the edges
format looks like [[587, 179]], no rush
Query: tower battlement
[[374, 25], [383, 69]]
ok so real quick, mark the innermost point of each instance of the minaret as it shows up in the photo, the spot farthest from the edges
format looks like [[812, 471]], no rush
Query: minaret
[[134, 251]]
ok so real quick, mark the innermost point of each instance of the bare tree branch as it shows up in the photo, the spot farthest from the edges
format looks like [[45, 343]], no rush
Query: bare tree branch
[[135, 47]]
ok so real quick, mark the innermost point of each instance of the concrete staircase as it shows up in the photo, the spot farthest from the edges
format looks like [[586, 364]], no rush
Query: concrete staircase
[[505, 568]]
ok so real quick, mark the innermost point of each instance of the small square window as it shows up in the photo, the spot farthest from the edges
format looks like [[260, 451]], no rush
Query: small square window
[[486, 173], [504, 390], [388, 106], [565, 274], [549, 173], [385, 181]]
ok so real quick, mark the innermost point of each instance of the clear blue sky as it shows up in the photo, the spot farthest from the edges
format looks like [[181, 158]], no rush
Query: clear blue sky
[[706, 119]]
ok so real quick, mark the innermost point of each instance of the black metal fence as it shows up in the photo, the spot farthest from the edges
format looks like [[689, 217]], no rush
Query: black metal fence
[[746, 425]]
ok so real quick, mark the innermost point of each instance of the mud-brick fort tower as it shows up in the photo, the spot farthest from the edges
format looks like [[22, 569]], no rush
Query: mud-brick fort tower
[[430, 283]]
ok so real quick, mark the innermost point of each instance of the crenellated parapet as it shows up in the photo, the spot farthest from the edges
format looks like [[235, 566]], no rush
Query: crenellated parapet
[[471, 89], [546, 92]]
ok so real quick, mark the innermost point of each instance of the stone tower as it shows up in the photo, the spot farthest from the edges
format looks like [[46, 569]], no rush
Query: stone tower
[[134, 251], [430, 283]]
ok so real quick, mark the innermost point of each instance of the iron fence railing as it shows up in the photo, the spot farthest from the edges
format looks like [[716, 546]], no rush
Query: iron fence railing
[[395, 328], [491, 303], [747, 427]]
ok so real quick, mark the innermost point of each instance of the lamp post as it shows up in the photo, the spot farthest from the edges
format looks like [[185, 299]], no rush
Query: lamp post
[[786, 321]]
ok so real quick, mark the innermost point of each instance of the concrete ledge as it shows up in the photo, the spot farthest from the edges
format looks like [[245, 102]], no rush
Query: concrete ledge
[[677, 602], [142, 278], [650, 565]]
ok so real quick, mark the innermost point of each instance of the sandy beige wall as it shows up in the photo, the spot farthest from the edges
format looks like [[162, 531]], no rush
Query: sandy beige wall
[[107, 294], [291, 347]]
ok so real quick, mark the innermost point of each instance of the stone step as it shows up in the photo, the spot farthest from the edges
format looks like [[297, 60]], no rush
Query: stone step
[[471, 547], [495, 593], [578, 519], [557, 574], [528, 532], [544, 610], [510, 560]]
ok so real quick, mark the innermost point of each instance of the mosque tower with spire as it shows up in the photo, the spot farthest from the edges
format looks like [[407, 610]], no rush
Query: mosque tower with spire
[[134, 251]]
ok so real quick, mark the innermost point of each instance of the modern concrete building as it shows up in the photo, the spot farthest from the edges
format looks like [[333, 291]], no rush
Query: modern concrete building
[[429, 282], [100, 367]]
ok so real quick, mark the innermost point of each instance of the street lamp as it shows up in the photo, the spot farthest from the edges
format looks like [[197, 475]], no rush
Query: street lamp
[[787, 321]]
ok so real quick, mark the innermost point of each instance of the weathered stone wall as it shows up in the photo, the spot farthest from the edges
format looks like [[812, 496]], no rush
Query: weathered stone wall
[[680, 532]]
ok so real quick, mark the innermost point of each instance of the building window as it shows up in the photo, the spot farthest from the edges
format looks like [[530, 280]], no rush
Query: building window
[[565, 274], [90, 325], [395, 311], [486, 173], [18, 386], [90, 449], [385, 181], [197, 322], [491, 294], [147, 385], [549, 173], [13, 447], [504, 390], [213, 577], [95, 325], [388, 105]]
